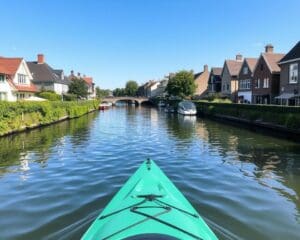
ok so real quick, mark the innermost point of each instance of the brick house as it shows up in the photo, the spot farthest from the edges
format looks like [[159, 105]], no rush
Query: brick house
[[289, 77], [201, 80], [215, 80], [245, 78], [15, 80], [229, 77], [266, 77]]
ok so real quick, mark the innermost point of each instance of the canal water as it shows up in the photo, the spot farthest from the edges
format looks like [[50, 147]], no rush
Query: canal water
[[54, 181]]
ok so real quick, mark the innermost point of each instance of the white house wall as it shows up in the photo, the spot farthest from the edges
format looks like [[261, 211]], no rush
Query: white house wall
[[23, 69], [247, 95], [60, 88], [6, 88]]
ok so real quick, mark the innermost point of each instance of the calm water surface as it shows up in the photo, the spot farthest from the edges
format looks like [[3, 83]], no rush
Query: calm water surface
[[55, 181]]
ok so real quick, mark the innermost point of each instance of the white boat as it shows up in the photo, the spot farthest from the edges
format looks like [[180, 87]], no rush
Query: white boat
[[187, 108], [105, 105]]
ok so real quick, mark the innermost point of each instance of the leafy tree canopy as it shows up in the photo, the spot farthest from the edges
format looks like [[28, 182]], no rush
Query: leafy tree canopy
[[78, 87], [131, 88], [182, 84], [101, 93], [119, 92]]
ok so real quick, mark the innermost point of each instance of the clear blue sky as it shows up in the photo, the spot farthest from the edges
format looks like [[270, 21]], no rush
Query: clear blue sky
[[118, 40]]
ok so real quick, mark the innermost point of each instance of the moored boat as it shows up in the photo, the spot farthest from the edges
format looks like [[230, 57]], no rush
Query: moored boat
[[104, 106], [187, 108], [149, 206]]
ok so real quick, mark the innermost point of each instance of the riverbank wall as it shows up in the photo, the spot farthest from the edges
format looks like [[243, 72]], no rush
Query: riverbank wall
[[21, 116], [282, 120]]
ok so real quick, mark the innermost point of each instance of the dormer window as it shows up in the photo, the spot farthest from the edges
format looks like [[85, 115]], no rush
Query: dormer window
[[21, 79], [245, 70], [293, 77]]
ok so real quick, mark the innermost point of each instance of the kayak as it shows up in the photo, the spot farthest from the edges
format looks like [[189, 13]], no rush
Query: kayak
[[149, 206]]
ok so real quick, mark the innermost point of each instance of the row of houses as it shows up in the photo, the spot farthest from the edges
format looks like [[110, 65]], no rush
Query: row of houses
[[21, 80], [271, 78]]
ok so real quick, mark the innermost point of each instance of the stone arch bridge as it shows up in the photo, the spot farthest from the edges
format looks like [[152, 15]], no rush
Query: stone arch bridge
[[136, 100]]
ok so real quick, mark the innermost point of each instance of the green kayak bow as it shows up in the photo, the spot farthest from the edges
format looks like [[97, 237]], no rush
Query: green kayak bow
[[149, 206]]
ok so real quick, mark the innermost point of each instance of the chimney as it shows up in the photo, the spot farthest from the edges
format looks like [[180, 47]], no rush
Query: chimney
[[72, 73], [239, 57], [78, 74], [40, 58], [205, 68], [269, 48]]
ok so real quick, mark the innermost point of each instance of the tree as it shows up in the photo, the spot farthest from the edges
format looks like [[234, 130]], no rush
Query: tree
[[119, 92], [182, 84], [78, 87], [131, 88], [101, 93]]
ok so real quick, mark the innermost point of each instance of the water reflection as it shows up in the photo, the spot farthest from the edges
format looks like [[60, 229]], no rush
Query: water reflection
[[181, 127], [56, 179], [18, 151], [273, 163]]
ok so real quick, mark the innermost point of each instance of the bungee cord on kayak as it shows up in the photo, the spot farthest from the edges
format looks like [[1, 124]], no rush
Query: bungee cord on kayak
[[149, 205], [152, 198]]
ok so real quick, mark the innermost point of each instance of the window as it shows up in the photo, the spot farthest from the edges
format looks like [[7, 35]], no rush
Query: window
[[245, 70], [227, 87], [3, 96], [266, 83], [248, 84], [293, 73], [2, 78], [20, 96], [261, 67], [257, 83], [21, 79], [245, 84]]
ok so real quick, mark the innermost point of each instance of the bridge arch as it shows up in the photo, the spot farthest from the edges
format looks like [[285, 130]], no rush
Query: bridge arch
[[136, 100]]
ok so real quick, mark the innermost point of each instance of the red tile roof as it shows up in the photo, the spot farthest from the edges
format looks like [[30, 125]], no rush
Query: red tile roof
[[10, 65], [88, 80], [24, 88], [251, 63], [234, 67], [272, 60], [2, 69], [216, 70]]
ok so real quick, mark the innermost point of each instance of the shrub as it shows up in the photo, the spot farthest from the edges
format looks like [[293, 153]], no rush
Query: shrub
[[18, 115], [49, 95], [280, 115]]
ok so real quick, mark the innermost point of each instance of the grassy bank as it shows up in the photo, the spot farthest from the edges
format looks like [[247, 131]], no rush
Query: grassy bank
[[287, 117], [17, 116]]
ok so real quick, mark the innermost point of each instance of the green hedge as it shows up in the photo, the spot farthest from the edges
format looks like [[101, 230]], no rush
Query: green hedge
[[279, 115], [51, 96], [15, 116]]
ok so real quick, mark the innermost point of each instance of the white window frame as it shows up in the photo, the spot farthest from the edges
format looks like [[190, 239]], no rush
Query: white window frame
[[266, 83], [21, 79], [293, 73], [257, 83], [248, 84]]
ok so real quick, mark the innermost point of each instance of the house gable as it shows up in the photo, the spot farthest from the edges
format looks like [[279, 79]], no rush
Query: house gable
[[24, 70], [292, 55]]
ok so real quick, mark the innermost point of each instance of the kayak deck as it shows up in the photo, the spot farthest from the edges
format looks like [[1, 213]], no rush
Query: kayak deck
[[149, 203]]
